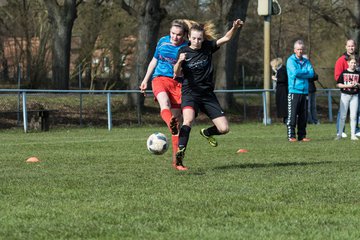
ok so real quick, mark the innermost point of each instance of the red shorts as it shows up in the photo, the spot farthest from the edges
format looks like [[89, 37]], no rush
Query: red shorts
[[170, 86]]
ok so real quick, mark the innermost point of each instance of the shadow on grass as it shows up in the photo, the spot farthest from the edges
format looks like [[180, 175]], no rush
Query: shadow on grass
[[268, 165]]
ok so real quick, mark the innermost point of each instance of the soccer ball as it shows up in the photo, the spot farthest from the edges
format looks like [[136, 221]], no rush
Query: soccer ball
[[157, 143]]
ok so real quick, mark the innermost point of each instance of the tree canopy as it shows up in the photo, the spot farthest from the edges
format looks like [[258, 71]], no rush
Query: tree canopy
[[110, 42]]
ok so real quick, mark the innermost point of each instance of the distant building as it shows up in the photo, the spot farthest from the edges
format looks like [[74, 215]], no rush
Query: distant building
[[14, 55]]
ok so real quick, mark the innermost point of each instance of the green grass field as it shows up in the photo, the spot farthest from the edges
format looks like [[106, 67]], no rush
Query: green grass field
[[96, 184]]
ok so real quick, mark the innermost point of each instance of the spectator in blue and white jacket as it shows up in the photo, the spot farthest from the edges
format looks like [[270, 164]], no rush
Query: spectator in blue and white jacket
[[299, 70]]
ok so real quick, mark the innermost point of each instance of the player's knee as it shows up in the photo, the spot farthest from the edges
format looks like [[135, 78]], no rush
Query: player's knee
[[187, 122], [165, 105], [224, 129]]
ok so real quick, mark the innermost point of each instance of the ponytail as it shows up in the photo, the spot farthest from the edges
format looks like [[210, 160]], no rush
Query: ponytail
[[208, 28], [210, 31]]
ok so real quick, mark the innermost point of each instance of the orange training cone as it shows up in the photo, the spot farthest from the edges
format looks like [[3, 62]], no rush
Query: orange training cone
[[32, 160], [242, 151]]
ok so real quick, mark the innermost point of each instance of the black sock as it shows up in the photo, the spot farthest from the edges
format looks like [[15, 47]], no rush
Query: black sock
[[211, 131], [184, 136]]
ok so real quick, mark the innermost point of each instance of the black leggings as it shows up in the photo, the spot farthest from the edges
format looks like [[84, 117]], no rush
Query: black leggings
[[297, 114]]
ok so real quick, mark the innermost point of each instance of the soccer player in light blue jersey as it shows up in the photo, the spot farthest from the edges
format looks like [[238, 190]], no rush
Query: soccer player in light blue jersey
[[166, 87]]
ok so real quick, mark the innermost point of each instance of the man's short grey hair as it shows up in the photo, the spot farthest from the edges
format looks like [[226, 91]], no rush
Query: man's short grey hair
[[298, 42]]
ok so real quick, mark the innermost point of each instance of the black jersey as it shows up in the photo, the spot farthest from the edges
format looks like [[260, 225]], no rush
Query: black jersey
[[348, 77], [198, 69]]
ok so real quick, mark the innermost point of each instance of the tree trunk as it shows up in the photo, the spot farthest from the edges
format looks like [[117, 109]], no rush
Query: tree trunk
[[39, 65], [4, 64], [150, 18], [61, 18], [309, 32], [356, 33], [93, 26], [28, 37], [226, 66]]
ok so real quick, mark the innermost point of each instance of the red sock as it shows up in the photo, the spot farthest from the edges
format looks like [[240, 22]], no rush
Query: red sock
[[174, 141], [166, 115]]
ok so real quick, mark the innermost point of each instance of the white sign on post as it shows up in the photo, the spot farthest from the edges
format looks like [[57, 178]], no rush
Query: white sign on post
[[264, 7]]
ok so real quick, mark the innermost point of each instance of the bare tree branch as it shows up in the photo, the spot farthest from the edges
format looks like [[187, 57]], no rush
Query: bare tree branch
[[128, 8], [322, 13], [78, 2], [353, 16]]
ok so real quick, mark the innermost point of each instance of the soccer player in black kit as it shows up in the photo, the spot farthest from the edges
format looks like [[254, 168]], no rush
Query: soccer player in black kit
[[195, 64]]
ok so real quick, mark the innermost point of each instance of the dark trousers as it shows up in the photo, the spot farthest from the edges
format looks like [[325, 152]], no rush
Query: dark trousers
[[297, 115]]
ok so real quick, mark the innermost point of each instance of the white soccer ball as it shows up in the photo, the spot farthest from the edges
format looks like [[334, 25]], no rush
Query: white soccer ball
[[157, 143]]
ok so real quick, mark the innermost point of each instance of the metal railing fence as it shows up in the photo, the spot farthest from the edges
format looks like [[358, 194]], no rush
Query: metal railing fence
[[22, 104]]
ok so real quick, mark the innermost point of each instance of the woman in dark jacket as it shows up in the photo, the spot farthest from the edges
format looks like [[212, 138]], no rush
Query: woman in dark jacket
[[312, 113], [280, 76]]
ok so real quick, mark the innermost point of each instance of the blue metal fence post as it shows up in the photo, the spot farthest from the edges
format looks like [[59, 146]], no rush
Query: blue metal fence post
[[265, 121], [24, 112], [81, 100], [19, 86], [244, 93], [330, 106], [109, 111]]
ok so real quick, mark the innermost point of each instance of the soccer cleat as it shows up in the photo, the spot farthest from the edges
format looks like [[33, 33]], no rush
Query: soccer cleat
[[353, 137], [212, 141], [180, 154], [305, 140], [357, 134], [344, 135], [292, 140], [181, 168], [174, 126]]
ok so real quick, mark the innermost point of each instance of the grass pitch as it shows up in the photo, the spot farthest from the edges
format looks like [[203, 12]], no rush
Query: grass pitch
[[96, 184]]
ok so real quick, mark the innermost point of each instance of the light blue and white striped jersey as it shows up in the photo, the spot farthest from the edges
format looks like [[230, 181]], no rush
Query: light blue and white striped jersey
[[166, 54]]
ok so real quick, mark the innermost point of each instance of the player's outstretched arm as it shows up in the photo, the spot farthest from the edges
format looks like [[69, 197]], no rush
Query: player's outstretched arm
[[150, 70], [236, 25]]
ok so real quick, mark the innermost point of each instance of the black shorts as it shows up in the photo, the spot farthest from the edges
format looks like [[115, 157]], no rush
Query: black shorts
[[206, 103]]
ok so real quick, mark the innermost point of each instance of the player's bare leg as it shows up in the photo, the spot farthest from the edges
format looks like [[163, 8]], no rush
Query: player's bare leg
[[221, 126], [189, 116]]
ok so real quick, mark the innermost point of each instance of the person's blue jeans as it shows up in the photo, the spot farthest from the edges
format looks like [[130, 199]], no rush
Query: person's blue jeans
[[338, 122], [312, 113], [357, 129]]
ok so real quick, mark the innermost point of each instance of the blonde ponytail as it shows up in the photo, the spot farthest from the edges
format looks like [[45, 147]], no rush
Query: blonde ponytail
[[208, 28], [210, 31]]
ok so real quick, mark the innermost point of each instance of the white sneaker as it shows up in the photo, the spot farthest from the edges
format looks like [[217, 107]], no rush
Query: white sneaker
[[353, 137], [344, 135], [357, 134]]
